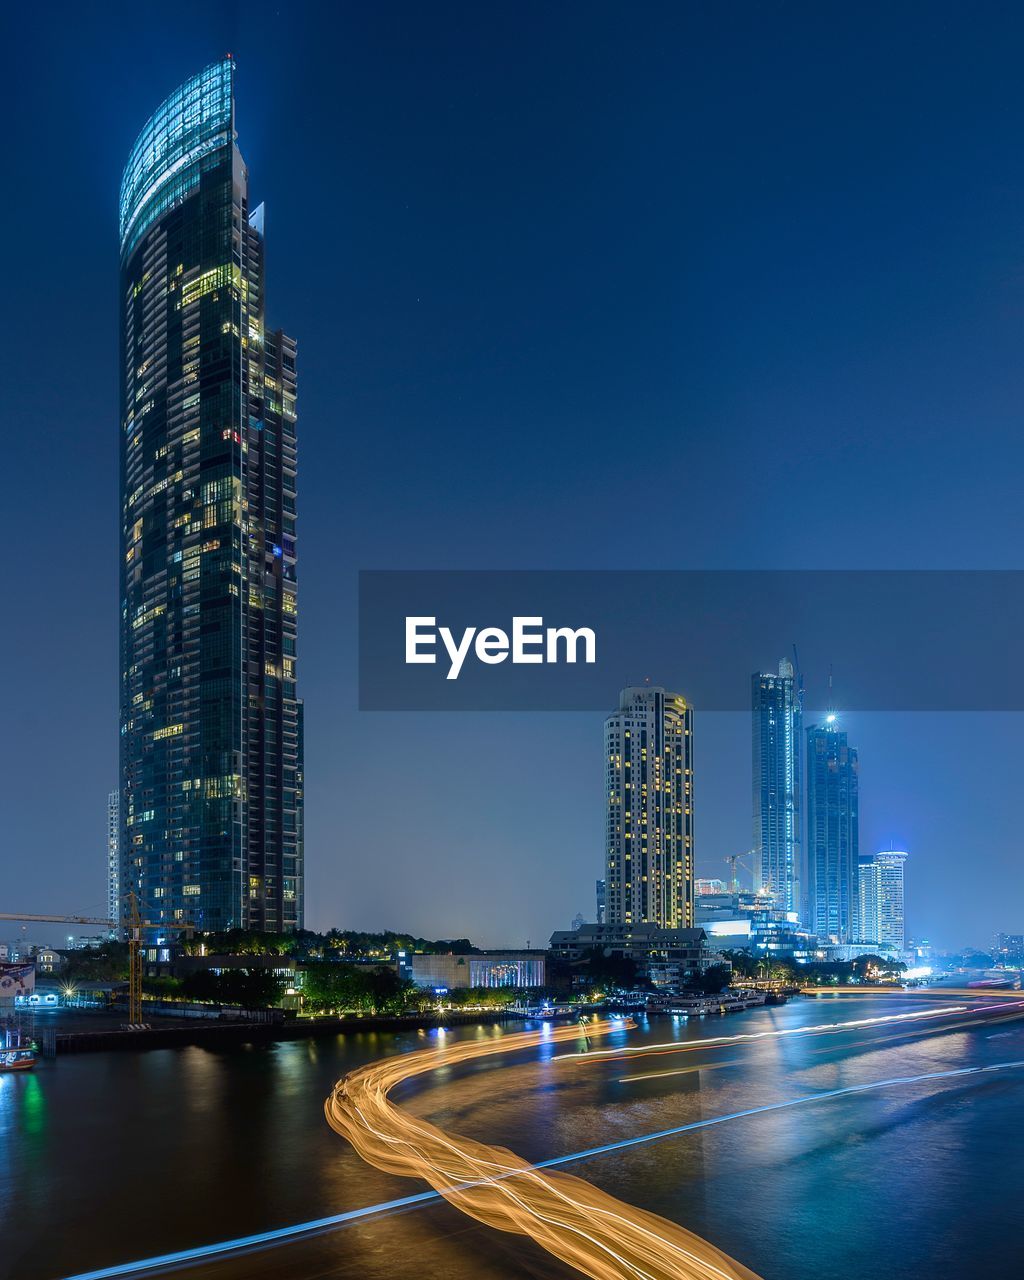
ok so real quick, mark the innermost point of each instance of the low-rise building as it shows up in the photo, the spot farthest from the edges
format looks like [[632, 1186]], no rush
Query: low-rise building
[[666, 957], [48, 961], [479, 969], [286, 967]]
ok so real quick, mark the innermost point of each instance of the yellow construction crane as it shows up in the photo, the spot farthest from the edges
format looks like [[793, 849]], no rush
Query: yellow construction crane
[[134, 924]]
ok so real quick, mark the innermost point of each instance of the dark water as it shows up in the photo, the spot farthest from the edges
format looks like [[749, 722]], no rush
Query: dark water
[[108, 1158]]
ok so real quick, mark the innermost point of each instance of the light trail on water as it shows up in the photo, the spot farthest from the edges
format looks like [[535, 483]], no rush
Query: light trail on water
[[752, 1037], [283, 1235], [574, 1221]]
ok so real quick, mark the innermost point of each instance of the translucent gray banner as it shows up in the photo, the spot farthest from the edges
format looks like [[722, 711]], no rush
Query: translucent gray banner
[[902, 640]]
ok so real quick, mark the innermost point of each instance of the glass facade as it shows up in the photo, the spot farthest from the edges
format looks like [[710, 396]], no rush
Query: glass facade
[[776, 777], [196, 121], [211, 725], [832, 835]]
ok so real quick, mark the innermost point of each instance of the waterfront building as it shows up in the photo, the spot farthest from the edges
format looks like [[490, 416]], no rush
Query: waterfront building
[[114, 909], [776, 742], [881, 898], [832, 834], [649, 809], [746, 921], [868, 898], [210, 822], [480, 969], [683, 951], [48, 960]]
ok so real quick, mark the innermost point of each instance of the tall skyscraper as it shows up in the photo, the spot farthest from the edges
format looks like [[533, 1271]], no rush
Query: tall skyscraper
[[649, 788], [869, 914], [832, 821], [777, 732], [211, 726], [114, 855], [881, 917]]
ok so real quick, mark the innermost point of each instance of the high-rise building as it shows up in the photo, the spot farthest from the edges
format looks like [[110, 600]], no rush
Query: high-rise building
[[777, 732], [869, 913], [114, 911], [832, 834], [600, 900], [880, 893], [211, 726], [649, 790]]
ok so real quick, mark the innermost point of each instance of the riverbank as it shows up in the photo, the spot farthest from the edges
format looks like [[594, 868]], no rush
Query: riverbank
[[56, 1041]]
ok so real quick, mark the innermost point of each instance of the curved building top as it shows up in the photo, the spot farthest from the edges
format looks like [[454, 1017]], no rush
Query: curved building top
[[163, 168]]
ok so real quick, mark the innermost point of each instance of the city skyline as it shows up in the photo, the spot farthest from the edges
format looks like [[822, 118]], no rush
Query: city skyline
[[415, 364], [619, 866]]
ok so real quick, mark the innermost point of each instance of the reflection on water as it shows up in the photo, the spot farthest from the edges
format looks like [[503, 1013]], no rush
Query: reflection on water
[[112, 1157]]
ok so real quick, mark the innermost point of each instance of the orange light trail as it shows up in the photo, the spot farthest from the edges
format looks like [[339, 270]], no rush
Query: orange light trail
[[582, 1226]]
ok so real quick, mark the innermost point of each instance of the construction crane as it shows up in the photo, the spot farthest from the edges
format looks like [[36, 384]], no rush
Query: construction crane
[[134, 923], [737, 860]]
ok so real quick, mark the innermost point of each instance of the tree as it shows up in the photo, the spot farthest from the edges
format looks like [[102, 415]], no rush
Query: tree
[[744, 965], [250, 988], [107, 963], [610, 969], [713, 980]]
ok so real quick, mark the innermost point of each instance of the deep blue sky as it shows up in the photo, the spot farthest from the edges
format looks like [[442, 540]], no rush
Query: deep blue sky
[[575, 286]]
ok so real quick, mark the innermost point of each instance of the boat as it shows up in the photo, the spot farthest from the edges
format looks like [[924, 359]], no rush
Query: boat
[[22, 1058], [17, 1052]]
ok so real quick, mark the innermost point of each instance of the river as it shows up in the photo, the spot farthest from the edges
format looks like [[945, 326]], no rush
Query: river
[[108, 1158]]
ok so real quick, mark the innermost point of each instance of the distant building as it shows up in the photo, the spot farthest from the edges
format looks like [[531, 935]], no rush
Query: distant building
[[843, 953], [667, 954], [748, 922], [777, 729], [832, 834], [181, 966], [1009, 949], [48, 961], [649, 809], [704, 888], [114, 911], [880, 895], [868, 898], [601, 905], [480, 969]]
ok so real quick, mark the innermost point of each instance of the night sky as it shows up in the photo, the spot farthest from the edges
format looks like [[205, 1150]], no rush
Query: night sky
[[575, 286]]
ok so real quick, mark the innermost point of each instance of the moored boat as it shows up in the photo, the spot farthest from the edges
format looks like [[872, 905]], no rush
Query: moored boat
[[22, 1058]]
